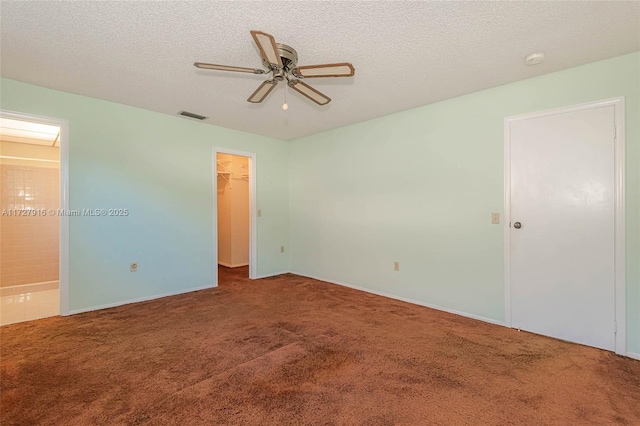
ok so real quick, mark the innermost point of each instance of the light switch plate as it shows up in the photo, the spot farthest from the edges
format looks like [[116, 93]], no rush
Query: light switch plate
[[495, 218], [259, 213], [396, 266]]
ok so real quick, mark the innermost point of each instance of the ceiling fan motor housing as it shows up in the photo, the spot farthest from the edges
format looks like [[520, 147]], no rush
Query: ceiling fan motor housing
[[289, 58]]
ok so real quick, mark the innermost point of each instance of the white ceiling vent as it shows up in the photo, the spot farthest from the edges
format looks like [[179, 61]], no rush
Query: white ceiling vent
[[192, 115]]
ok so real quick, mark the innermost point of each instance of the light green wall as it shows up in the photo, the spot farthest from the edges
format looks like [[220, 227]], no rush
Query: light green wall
[[416, 187], [419, 187], [160, 168]]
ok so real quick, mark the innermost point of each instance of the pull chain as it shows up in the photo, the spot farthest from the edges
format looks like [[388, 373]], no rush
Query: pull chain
[[285, 106]]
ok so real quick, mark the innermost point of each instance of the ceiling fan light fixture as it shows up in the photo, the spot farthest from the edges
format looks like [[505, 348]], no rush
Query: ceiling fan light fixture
[[278, 74], [285, 105]]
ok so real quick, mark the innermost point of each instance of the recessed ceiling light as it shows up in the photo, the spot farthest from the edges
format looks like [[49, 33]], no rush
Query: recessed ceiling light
[[534, 59]]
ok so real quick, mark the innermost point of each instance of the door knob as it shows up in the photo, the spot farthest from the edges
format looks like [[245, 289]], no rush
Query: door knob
[[517, 225]]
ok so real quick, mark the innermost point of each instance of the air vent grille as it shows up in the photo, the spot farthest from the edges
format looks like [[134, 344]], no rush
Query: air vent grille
[[192, 115]]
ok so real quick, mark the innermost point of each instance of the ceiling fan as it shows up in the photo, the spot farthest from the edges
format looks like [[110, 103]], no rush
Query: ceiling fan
[[282, 62]]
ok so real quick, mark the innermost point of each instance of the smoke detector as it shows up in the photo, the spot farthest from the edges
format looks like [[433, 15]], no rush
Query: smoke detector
[[534, 59]]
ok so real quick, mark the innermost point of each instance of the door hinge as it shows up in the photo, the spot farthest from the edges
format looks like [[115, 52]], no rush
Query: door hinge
[[615, 132]]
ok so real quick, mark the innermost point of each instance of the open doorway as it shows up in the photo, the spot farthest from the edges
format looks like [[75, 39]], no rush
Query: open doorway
[[31, 231], [234, 200]]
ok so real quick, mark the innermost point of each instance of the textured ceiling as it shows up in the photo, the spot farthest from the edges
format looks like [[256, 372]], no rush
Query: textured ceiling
[[406, 54]]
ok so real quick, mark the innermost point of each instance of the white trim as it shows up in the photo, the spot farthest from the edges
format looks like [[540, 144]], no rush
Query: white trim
[[30, 284], [405, 299], [619, 209], [633, 355], [140, 299], [64, 198], [507, 223], [29, 288], [228, 265], [253, 216], [620, 251], [571, 108], [11, 157], [275, 274]]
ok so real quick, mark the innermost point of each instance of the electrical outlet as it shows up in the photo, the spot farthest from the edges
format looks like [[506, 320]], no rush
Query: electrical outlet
[[281, 249], [396, 266], [495, 218], [133, 267], [259, 213]]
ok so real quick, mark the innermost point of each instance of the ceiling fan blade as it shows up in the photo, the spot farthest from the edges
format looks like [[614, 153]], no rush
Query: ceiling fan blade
[[261, 92], [309, 92], [343, 69], [227, 68], [268, 49]]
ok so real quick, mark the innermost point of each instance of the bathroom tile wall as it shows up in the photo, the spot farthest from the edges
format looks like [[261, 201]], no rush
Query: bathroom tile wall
[[28, 243]]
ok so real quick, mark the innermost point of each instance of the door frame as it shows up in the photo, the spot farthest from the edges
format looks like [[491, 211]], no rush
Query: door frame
[[253, 216], [619, 210], [63, 220]]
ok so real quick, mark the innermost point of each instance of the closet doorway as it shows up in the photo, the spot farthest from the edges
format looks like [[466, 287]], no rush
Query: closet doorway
[[234, 201]]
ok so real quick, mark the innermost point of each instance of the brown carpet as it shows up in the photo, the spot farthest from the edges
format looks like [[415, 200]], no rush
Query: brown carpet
[[291, 350]]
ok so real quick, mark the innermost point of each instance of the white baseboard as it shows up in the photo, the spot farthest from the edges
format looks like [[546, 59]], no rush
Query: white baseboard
[[366, 290], [428, 305], [405, 299], [140, 299], [229, 265], [271, 275]]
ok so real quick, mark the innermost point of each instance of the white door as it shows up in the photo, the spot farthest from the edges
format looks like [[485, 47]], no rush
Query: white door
[[562, 226]]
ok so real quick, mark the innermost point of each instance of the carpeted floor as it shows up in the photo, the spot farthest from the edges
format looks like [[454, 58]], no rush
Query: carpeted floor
[[291, 350]]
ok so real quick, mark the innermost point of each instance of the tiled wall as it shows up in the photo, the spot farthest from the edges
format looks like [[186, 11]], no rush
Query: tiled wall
[[28, 244]]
